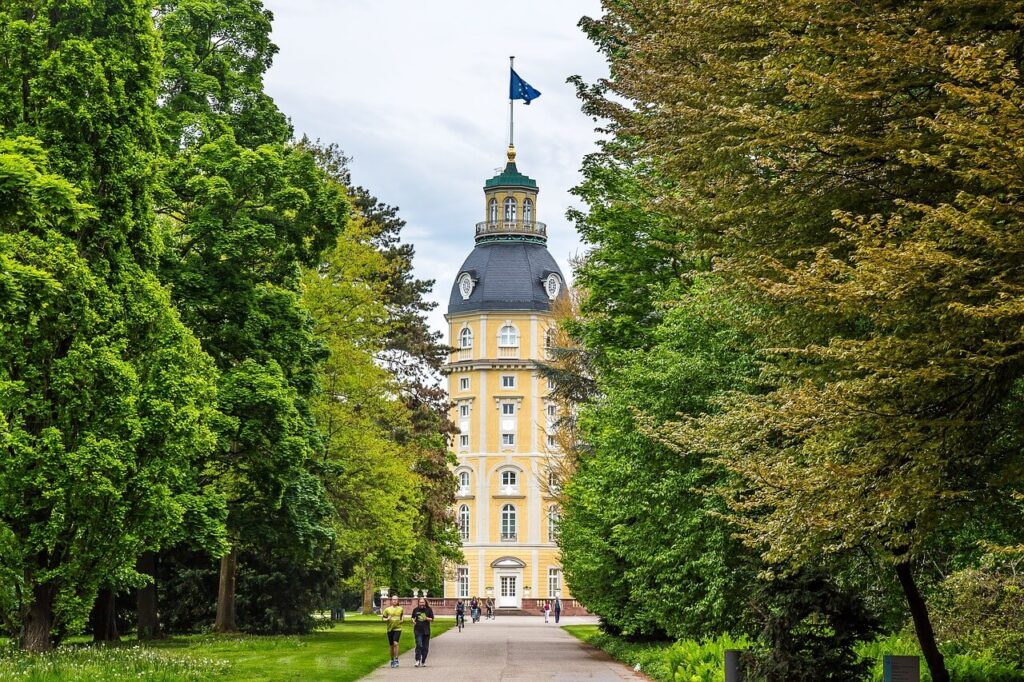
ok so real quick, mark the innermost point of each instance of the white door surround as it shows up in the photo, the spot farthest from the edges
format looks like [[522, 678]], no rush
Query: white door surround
[[508, 576]]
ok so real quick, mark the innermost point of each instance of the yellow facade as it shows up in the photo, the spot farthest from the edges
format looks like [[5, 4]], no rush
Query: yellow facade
[[506, 513]]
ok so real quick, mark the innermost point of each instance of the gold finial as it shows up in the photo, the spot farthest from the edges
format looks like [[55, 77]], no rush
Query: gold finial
[[511, 154]]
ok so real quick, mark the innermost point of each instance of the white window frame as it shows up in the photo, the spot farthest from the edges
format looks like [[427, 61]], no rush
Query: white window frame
[[463, 440], [464, 480], [508, 341], [509, 521], [508, 409], [464, 522], [462, 582], [508, 440], [508, 380], [511, 209], [465, 343], [463, 383], [492, 214], [554, 582], [527, 211], [509, 478], [553, 519], [464, 411]]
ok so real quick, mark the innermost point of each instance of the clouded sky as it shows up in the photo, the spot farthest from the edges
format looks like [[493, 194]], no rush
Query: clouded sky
[[417, 94]]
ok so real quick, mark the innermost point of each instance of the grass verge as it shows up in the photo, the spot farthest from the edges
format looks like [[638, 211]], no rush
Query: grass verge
[[343, 653], [650, 657]]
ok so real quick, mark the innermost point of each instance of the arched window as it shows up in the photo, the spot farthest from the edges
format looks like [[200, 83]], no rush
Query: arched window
[[464, 521], [553, 523], [549, 342], [508, 342], [510, 210], [466, 338], [527, 211], [464, 482], [508, 523], [492, 211], [509, 479], [508, 337]]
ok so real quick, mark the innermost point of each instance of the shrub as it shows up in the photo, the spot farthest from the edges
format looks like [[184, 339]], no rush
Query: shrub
[[982, 609], [962, 667], [810, 630], [692, 661]]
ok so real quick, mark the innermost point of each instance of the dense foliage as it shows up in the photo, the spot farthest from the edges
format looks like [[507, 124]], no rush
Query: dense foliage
[[840, 183], [178, 383]]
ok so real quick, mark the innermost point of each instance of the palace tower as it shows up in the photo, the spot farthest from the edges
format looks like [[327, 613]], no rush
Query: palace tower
[[499, 314]]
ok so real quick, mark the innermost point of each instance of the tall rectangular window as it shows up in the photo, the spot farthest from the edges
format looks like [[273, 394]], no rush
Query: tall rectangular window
[[463, 383], [462, 582], [463, 411], [508, 409], [508, 439], [508, 380], [554, 582], [464, 440]]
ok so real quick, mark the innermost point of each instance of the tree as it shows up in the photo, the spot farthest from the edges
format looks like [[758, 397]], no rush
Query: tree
[[104, 391], [849, 166], [412, 355]]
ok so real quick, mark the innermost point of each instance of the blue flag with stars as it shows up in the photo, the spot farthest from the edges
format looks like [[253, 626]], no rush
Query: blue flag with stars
[[520, 89]]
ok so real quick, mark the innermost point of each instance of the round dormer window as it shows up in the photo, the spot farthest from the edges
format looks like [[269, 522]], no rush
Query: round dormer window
[[465, 285], [552, 285]]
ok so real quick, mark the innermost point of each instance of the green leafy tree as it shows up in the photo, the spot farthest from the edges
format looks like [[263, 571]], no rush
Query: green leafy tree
[[850, 168], [104, 392]]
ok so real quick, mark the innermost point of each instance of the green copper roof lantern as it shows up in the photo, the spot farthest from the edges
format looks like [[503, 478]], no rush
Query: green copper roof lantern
[[510, 176]]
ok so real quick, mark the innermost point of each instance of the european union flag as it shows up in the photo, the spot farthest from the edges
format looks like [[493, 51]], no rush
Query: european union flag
[[520, 89]]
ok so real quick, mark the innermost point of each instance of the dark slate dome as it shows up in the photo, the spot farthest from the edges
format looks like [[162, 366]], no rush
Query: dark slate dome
[[507, 275]]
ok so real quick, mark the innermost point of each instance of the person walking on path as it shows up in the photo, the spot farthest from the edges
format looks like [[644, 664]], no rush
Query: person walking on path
[[394, 615], [558, 608], [546, 609], [490, 608], [422, 616]]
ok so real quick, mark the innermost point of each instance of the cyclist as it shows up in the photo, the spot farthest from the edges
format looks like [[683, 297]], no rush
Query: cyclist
[[474, 610], [460, 614]]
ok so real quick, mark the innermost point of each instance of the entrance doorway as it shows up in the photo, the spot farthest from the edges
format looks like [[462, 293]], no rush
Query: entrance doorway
[[508, 591], [508, 578]]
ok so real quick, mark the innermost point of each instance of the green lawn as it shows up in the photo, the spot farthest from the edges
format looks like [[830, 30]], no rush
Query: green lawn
[[345, 652]]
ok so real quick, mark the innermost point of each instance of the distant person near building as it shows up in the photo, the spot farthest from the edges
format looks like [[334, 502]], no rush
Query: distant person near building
[[422, 616], [394, 615], [558, 608], [546, 609]]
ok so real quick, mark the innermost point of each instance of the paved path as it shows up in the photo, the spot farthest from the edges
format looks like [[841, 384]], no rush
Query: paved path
[[509, 649]]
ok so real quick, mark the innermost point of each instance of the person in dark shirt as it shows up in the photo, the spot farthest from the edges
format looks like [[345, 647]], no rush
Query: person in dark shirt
[[422, 616], [460, 613]]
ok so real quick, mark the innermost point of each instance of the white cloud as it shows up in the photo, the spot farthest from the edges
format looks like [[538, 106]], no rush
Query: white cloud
[[416, 93]]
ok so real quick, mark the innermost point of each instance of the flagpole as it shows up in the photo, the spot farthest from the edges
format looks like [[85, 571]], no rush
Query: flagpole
[[511, 115]]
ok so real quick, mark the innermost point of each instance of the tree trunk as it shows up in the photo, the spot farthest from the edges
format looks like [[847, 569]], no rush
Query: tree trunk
[[368, 596], [103, 618], [148, 618], [226, 593], [922, 624], [37, 622]]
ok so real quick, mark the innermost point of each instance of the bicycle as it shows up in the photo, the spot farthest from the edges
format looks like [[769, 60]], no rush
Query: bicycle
[[476, 615], [490, 613], [460, 620]]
